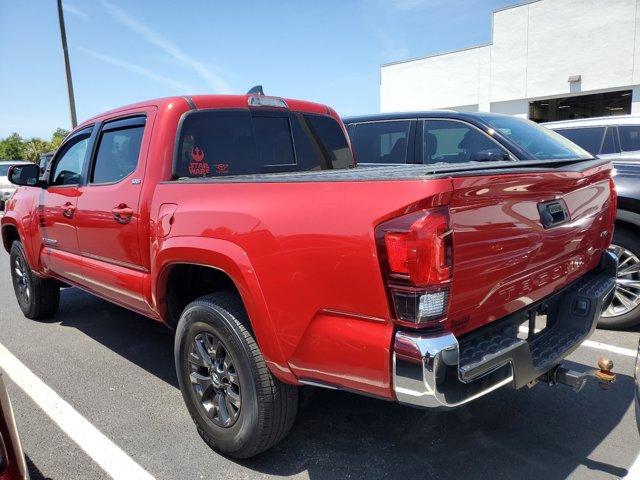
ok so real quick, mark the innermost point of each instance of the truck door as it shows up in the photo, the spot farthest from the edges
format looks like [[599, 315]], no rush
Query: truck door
[[58, 206], [108, 212]]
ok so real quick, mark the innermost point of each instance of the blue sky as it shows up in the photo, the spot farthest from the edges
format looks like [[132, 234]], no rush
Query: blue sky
[[125, 51]]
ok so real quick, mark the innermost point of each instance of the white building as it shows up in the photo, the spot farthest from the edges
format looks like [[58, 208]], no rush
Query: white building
[[548, 60]]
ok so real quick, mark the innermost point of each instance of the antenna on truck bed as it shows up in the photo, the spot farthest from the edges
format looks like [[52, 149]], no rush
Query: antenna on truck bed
[[257, 90]]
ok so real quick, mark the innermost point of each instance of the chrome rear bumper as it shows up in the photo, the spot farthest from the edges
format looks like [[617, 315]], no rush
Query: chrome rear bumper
[[442, 371]]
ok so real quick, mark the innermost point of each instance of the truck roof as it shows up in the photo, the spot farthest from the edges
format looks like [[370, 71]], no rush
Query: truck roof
[[215, 101]]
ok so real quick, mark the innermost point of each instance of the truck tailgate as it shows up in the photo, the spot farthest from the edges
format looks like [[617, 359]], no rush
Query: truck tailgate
[[519, 237]]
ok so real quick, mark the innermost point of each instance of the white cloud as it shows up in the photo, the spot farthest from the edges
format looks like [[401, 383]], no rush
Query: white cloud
[[177, 85], [74, 10], [215, 81]]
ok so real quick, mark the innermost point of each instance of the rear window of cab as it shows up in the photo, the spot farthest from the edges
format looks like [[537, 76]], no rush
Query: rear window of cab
[[214, 143]]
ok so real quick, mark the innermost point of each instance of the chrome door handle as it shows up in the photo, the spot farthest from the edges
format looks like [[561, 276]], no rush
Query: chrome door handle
[[68, 210], [122, 214]]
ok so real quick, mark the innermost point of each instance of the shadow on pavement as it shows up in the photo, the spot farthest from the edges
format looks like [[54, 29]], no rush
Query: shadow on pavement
[[34, 472], [540, 433], [145, 342]]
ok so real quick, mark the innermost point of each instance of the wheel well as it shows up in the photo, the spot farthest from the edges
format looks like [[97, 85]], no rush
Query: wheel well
[[9, 235], [624, 225], [186, 282]]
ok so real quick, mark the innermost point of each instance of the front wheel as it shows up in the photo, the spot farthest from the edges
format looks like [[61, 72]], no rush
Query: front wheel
[[238, 406], [37, 297], [624, 309]]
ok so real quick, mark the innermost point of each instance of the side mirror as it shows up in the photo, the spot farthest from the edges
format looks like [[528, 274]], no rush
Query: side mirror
[[24, 175], [491, 155]]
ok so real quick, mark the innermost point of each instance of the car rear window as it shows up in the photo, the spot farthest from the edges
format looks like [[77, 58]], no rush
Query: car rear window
[[234, 142]]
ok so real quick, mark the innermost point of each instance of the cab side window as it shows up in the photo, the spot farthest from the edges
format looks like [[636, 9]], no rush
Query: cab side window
[[69, 164], [118, 150], [446, 141]]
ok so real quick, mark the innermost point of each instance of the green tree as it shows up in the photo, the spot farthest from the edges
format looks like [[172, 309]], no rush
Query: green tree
[[11, 147], [57, 138], [33, 148]]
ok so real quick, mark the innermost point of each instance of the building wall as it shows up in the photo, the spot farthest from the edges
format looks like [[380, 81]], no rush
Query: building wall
[[534, 50]]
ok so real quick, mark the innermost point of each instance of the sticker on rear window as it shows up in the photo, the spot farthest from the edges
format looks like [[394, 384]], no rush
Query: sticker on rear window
[[222, 168], [198, 166]]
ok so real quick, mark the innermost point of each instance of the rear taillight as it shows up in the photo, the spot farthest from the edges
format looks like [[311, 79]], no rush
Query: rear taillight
[[416, 259]]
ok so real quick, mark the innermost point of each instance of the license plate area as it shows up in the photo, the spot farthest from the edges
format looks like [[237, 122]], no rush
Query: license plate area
[[535, 324]]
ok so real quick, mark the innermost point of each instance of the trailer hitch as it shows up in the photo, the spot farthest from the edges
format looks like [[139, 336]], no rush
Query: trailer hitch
[[559, 375], [605, 376]]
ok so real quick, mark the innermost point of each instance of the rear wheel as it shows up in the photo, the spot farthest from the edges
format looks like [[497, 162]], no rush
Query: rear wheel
[[238, 406], [37, 297], [624, 309]]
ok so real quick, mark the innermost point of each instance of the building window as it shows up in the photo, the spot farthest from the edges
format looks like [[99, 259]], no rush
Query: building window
[[581, 106]]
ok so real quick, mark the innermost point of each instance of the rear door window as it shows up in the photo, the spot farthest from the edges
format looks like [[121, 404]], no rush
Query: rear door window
[[589, 138], [118, 150], [219, 143], [381, 142], [446, 141], [629, 138]]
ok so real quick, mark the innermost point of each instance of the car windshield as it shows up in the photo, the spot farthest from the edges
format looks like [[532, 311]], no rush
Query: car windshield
[[3, 170], [538, 141]]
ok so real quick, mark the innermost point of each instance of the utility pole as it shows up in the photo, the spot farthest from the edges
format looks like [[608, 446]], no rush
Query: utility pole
[[67, 67]]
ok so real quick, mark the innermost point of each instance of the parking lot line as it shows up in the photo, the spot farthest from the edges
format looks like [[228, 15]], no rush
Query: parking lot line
[[103, 451], [627, 352]]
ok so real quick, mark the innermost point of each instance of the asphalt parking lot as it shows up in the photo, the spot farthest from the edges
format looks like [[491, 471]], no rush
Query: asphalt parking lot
[[116, 369]]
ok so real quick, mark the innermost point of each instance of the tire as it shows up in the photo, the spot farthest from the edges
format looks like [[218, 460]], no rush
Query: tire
[[627, 245], [235, 376], [37, 297]]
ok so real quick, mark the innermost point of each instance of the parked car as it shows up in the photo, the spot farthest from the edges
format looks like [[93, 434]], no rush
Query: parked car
[[239, 222], [617, 139], [6, 187], [12, 462]]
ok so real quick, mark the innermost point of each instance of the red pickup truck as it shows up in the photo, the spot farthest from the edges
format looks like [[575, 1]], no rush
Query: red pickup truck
[[240, 222]]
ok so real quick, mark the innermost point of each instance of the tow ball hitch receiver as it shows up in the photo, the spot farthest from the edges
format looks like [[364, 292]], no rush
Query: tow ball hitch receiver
[[605, 376], [564, 376], [577, 380]]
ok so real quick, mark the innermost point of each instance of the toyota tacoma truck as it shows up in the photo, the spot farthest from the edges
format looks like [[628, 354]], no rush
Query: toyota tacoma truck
[[241, 223]]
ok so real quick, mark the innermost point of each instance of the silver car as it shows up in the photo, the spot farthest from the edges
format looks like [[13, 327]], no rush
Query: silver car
[[6, 187]]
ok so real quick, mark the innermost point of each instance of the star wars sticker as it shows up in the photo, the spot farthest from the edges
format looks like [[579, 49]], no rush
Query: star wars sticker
[[198, 166]]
